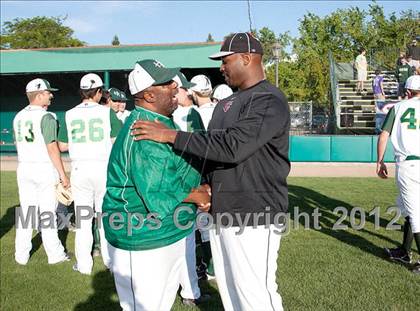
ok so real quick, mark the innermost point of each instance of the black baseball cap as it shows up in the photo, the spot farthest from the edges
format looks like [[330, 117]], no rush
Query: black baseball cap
[[240, 42]]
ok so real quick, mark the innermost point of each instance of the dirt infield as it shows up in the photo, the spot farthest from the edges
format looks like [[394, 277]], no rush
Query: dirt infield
[[299, 169]]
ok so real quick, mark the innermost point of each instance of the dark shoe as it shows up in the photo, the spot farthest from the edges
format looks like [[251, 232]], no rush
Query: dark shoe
[[415, 268], [195, 302], [398, 255]]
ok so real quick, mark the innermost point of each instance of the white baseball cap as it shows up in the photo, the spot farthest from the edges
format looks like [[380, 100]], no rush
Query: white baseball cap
[[202, 84], [222, 91], [413, 83], [90, 81], [39, 85], [149, 72]]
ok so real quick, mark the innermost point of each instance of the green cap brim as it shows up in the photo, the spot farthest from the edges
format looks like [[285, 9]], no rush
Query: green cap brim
[[51, 89], [188, 85], [166, 75]]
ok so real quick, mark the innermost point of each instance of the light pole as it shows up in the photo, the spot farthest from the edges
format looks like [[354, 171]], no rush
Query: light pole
[[276, 53]]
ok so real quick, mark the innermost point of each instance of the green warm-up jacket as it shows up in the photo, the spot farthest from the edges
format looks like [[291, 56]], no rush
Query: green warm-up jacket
[[146, 184]]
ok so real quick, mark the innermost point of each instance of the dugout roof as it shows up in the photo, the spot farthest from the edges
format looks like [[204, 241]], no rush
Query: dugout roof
[[106, 58]]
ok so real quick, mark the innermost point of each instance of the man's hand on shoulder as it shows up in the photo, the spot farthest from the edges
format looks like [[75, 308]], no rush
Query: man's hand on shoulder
[[153, 130]]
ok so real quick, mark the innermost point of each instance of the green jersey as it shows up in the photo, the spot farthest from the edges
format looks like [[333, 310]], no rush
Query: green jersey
[[403, 72], [147, 183]]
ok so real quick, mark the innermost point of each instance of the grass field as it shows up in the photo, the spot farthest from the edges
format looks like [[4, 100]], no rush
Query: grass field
[[322, 269]]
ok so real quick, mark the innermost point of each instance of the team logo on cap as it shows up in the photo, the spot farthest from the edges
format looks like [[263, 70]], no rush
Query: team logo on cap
[[158, 64]]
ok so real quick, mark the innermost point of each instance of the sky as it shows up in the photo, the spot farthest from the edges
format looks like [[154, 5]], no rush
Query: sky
[[144, 22]]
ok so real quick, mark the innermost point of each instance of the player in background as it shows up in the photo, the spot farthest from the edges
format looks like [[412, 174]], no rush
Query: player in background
[[88, 133], [122, 113], [201, 95], [220, 92], [402, 124], [39, 170], [189, 120]]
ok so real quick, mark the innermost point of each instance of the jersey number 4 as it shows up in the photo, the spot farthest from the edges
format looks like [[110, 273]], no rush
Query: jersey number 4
[[28, 131], [409, 116], [93, 132]]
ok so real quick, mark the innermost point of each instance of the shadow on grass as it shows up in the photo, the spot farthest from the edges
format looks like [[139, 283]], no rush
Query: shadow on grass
[[307, 200], [101, 299], [7, 221], [215, 302]]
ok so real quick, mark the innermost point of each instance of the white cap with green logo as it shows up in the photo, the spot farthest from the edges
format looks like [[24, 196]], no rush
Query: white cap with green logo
[[413, 83], [39, 85], [90, 81], [149, 72]]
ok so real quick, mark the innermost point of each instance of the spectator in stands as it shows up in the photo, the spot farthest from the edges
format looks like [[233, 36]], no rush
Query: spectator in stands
[[377, 85], [414, 64], [402, 73], [379, 94], [414, 51], [402, 55], [361, 67]]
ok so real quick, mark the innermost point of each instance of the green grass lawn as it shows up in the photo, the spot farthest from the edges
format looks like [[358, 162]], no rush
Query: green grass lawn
[[321, 269]]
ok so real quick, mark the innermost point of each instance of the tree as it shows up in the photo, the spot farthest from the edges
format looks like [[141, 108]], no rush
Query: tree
[[115, 40], [267, 38], [210, 38], [37, 32], [343, 32]]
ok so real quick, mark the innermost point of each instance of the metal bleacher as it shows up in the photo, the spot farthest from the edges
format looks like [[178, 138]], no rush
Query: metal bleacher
[[357, 110]]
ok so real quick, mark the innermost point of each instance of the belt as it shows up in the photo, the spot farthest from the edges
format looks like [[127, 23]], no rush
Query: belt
[[412, 157]]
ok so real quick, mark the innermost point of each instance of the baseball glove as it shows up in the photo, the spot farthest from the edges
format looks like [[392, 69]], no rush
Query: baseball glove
[[64, 196]]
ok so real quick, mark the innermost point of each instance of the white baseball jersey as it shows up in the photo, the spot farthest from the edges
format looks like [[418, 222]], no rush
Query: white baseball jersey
[[123, 115], [403, 122], [89, 132], [36, 178], [206, 112], [30, 142]]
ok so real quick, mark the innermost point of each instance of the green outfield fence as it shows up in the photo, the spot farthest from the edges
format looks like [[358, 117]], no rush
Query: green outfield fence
[[336, 148]]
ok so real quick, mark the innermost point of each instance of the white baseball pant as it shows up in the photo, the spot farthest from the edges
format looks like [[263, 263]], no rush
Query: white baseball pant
[[147, 280], [36, 182], [408, 181], [88, 181], [188, 276], [245, 266]]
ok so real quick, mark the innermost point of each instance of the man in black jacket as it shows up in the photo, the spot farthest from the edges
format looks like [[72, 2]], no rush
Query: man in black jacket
[[246, 149]]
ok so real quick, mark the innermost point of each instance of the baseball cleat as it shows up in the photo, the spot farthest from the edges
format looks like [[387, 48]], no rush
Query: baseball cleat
[[415, 268], [67, 257], [195, 302], [21, 262], [75, 268], [398, 255]]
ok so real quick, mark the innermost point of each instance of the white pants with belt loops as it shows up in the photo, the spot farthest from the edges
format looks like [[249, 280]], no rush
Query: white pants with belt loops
[[245, 267]]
